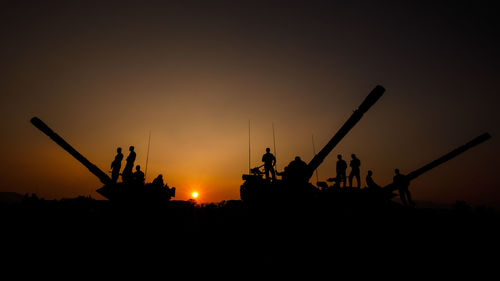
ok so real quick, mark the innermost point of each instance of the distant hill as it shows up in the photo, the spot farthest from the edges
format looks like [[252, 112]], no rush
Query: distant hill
[[10, 197]]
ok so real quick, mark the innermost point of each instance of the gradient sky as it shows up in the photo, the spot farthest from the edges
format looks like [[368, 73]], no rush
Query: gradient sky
[[105, 73]]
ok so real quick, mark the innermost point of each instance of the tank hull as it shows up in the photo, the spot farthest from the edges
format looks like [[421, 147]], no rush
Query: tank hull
[[126, 192], [259, 192]]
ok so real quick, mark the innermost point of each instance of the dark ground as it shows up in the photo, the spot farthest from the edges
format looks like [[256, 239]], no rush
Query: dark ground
[[86, 235]]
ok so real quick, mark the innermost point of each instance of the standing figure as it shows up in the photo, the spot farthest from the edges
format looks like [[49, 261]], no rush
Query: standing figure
[[402, 183], [116, 165], [269, 163], [127, 171], [355, 163], [138, 176], [341, 171]]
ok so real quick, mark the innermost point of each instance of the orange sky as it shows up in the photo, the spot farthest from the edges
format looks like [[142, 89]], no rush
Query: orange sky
[[193, 75]]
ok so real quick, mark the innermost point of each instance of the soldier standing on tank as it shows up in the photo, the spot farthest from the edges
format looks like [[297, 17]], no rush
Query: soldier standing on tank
[[127, 171], [116, 165], [269, 163], [402, 183], [341, 171], [355, 163]]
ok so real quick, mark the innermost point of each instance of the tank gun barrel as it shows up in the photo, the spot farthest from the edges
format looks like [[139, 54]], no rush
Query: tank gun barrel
[[445, 158], [370, 100], [66, 146]]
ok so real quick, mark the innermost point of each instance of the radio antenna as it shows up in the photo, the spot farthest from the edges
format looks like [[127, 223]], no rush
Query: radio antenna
[[147, 155], [249, 169], [314, 151], [275, 155]]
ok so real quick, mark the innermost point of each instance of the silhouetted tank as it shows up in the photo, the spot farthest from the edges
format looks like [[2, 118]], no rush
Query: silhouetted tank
[[295, 185], [125, 192], [257, 190]]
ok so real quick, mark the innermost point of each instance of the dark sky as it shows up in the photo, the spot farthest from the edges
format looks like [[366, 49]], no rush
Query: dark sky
[[105, 73]]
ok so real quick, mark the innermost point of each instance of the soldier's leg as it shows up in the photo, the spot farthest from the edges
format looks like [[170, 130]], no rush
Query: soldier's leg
[[127, 173], [114, 176], [266, 170], [350, 179], [358, 178], [402, 196], [408, 196], [273, 173]]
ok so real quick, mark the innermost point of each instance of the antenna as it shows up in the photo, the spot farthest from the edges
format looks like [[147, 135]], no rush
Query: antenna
[[249, 169], [147, 156], [314, 151], [275, 155]]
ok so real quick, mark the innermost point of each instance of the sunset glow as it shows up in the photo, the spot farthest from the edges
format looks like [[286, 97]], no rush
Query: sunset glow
[[194, 75]]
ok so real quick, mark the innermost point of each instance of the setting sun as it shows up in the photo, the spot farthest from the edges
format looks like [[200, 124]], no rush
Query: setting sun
[[194, 194]]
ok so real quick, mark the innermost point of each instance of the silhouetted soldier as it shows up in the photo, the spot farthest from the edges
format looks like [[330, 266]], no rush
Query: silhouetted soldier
[[341, 170], [297, 170], [138, 175], [127, 171], [369, 181], [269, 162], [402, 183], [158, 181], [116, 165], [355, 163], [284, 174]]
